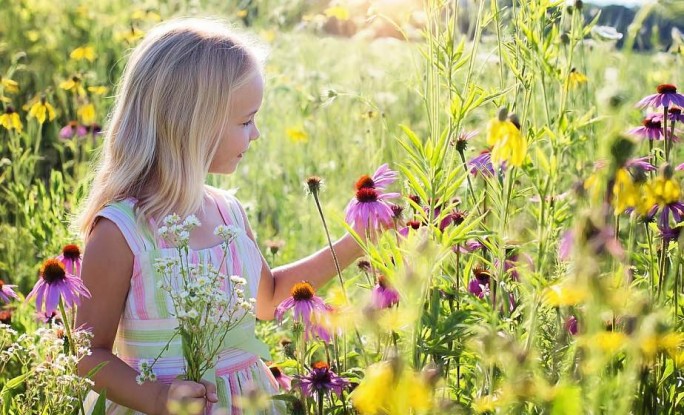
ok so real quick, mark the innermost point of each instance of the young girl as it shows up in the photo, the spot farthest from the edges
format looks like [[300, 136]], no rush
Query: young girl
[[185, 107]]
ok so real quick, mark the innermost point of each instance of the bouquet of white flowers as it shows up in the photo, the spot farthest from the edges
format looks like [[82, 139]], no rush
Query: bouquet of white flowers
[[207, 302]]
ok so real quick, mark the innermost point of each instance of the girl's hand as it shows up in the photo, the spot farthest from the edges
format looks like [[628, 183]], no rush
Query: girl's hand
[[190, 396]]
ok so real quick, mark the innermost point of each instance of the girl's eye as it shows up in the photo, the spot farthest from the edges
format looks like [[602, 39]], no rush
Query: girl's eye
[[248, 123]]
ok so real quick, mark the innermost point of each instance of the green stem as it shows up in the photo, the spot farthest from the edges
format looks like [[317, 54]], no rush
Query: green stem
[[332, 250]]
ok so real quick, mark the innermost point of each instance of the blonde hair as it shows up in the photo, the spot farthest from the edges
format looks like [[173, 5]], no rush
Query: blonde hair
[[170, 110]]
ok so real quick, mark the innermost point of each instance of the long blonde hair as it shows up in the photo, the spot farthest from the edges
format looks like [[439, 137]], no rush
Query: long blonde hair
[[169, 113]]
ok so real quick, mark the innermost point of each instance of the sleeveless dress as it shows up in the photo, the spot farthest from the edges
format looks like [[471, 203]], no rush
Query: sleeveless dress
[[147, 322]]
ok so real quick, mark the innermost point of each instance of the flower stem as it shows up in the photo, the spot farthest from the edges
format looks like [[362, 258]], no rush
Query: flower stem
[[332, 250]]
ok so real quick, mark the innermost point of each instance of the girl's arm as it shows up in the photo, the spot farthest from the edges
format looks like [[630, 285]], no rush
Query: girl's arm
[[107, 267], [318, 268], [106, 271]]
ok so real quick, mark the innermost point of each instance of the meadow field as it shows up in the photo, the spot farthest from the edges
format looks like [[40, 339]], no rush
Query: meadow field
[[534, 266]]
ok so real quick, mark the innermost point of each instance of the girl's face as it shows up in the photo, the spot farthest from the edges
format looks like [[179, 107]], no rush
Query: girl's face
[[240, 129]]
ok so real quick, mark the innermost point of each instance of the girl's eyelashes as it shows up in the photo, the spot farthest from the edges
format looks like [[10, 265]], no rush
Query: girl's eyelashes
[[248, 123]]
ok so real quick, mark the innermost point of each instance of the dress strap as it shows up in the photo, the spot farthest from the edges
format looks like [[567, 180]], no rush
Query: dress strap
[[122, 213], [227, 208]]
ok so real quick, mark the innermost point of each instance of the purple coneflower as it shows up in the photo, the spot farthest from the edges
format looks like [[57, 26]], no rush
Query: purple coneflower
[[675, 114], [676, 210], [479, 285], [482, 163], [412, 224], [71, 258], [383, 294], [283, 380], [651, 128], [565, 245], [304, 302], [667, 96], [56, 282], [7, 293], [369, 208], [642, 163], [454, 218], [571, 325], [470, 246], [321, 380], [383, 177], [73, 129]]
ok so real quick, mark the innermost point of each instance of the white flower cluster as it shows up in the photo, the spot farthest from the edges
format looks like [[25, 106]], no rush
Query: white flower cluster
[[207, 303], [44, 355], [176, 232], [227, 232], [145, 372]]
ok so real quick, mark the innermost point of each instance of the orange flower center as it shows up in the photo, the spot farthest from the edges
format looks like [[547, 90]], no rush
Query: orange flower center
[[667, 89], [53, 270], [650, 123], [366, 195], [365, 181], [71, 251], [482, 274], [302, 291], [321, 365]]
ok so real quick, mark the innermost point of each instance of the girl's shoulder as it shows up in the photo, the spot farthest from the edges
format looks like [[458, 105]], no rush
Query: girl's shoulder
[[231, 202], [122, 214]]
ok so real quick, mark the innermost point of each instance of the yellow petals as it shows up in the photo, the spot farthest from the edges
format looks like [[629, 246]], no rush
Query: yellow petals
[[9, 85], [41, 111], [663, 191], [396, 319], [241, 13], [668, 342], [383, 391], [338, 12], [625, 193], [564, 295], [146, 15], [11, 121], [610, 341], [297, 135], [509, 144], [83, 52], [87, 114], [576, 78], [98, 90], [130, 36], [74, 84]]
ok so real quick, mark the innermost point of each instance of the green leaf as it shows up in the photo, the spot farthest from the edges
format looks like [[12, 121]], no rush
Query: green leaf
[[100, 405]]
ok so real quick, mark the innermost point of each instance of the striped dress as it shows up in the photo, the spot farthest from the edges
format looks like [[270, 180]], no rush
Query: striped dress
[[147, 322]]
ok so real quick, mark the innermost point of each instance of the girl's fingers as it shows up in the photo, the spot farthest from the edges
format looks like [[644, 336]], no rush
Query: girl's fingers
[[211, 391]]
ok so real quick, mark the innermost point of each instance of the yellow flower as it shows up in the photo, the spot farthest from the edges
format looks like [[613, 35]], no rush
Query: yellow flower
[[509, 144], [241, 13], [87, 114], [131, 35], [576, 78], [98, 90], [625, 193], [663, 191], [42, 110], [9, 85], [73, 84], [83, 52], [33, 35], [338, 12], [147, 15], [382, 392], [609, 341], [564, 295], [268, 35], [297, 134], [10, 120]]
